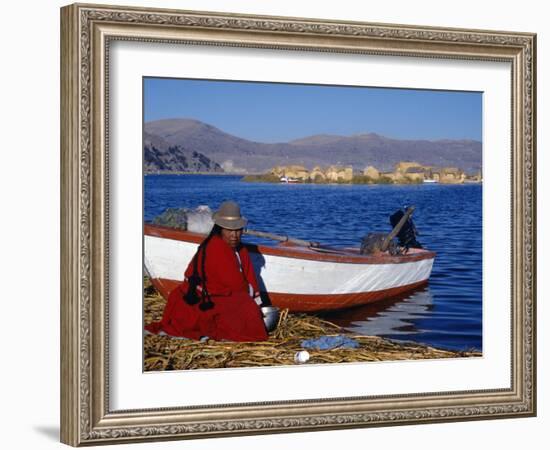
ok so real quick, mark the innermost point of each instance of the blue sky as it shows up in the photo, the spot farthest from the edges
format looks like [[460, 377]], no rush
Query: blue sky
[[280, 112]]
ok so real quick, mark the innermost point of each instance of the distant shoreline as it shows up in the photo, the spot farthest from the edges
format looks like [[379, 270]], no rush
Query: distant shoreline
[[260, 178], [356, 181], [225, 174]]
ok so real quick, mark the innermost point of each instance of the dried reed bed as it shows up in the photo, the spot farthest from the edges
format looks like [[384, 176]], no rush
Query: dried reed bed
[[167, 353]]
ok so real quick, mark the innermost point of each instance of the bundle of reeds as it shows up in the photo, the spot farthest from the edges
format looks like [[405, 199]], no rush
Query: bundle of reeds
[[168, 353]]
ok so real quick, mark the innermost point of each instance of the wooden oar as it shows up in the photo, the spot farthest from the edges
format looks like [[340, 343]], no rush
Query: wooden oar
[[396, 229], [309, 244], [280, 238], [318, 247]]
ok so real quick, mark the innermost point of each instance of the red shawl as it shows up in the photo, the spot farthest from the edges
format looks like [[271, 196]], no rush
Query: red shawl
[[235, 316]]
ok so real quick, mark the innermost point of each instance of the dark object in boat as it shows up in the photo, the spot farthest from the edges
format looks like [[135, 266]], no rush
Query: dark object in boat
[[407, 235], [373, 242]]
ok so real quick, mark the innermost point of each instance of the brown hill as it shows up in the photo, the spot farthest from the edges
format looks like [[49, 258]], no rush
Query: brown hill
[[160, 156], [358, 151]]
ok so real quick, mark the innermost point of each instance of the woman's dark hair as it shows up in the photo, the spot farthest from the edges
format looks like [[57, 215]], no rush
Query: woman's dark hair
[[191, 296]]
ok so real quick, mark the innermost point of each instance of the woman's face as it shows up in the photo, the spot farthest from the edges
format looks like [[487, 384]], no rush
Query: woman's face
[[232, 237]]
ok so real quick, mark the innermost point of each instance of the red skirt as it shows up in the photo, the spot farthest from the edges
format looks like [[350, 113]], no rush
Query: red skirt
[[233, 318]]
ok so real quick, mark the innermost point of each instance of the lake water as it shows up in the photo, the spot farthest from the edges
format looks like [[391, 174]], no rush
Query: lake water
[[446, 314]]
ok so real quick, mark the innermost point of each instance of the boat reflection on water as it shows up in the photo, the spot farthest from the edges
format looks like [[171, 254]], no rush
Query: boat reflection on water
[[395, 318]]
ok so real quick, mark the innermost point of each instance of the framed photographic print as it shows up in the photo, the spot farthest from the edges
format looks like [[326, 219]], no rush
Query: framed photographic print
[[278, 224]]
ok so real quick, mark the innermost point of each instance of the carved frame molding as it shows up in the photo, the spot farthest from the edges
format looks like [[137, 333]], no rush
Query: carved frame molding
[[87, 32]]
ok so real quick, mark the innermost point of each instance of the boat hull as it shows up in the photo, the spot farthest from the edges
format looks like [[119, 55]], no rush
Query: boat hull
[[297, 278]]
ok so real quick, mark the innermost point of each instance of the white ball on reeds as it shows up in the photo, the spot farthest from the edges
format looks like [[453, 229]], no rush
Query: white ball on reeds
[[301, 357]]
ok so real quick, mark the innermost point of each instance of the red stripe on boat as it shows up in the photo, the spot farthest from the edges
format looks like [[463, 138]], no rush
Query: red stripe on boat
[[310, 302]]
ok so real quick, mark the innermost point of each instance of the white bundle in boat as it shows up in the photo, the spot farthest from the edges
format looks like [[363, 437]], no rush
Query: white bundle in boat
[[200, 220]]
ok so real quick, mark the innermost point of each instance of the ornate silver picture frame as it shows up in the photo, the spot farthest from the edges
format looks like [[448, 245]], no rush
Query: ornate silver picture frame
[[88, 413]]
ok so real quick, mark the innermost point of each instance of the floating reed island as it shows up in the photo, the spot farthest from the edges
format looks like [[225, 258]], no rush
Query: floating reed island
[[405, 172], [168, 353]]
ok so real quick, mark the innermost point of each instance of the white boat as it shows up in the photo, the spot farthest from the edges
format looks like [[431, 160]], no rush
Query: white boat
[[302, 279], [289, 180], [430, 180]]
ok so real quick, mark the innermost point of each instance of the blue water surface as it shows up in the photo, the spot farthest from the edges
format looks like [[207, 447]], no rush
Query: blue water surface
[[446, 314]]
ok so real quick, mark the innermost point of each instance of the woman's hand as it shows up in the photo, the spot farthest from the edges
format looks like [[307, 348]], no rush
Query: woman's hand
[[258, 299]]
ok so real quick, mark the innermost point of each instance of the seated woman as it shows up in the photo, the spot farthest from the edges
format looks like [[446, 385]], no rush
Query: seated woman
[[219, 297]]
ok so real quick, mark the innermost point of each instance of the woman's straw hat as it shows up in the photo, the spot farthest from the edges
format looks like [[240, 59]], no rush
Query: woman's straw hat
[[229, 216]]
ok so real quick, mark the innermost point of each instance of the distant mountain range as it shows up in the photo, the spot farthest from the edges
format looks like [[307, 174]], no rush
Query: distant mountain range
[[190, 145]]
